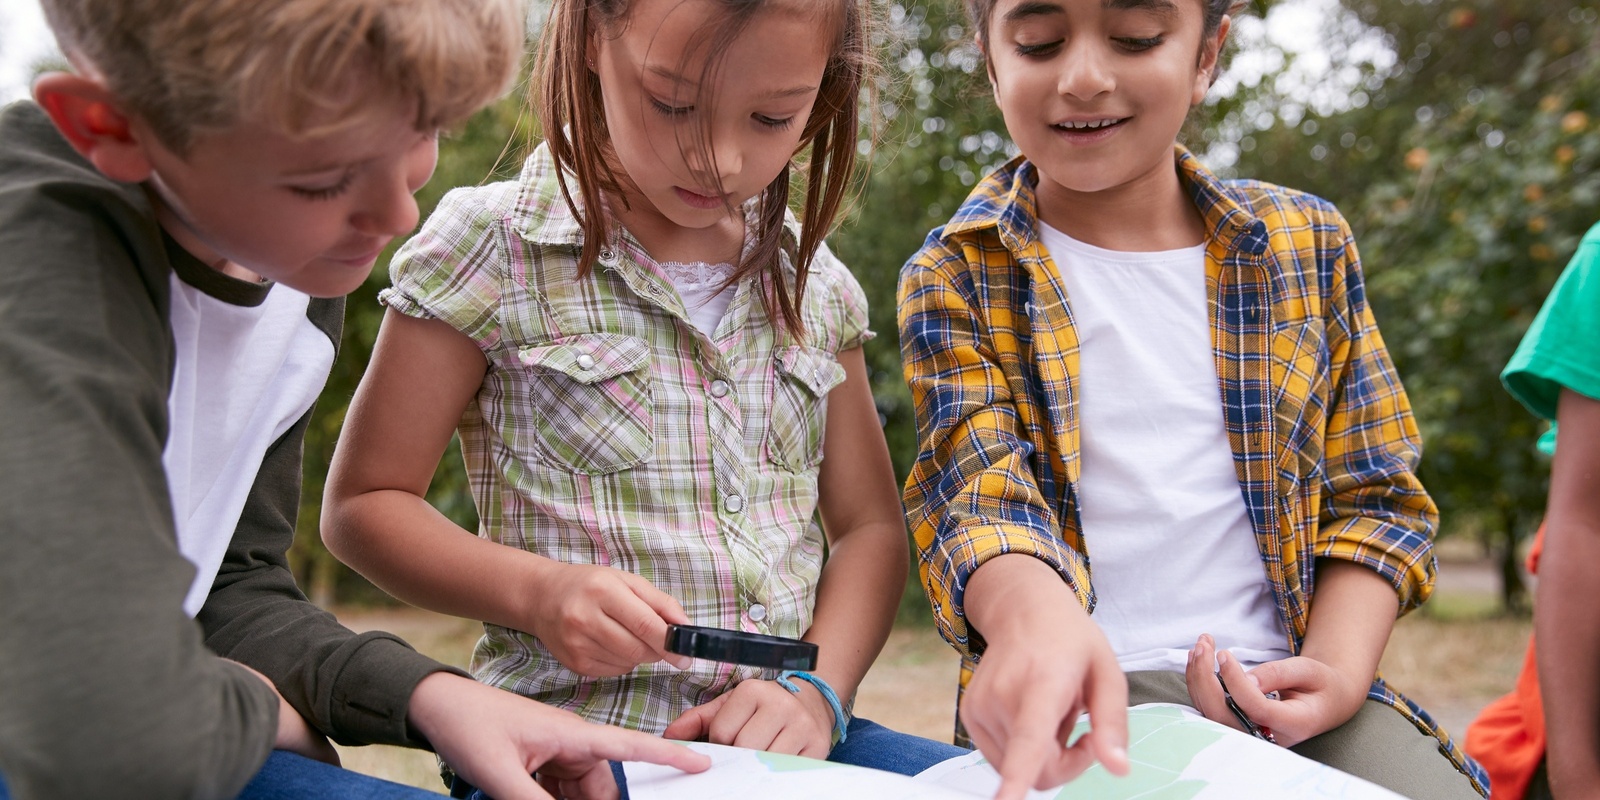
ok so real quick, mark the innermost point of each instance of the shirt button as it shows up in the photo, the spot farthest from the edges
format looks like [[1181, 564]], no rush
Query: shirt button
[[719, 388], [608, 257], [585, 362], [733, 504], [757, 612]]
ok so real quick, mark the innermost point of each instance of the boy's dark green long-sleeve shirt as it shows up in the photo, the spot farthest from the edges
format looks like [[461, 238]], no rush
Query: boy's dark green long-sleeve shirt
[[107, 689]]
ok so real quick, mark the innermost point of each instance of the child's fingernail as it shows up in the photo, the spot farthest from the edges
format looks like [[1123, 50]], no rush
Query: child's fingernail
[[1256, 681]]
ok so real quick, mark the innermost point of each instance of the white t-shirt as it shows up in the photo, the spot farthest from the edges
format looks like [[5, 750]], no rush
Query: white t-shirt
[[248, 364], [1171, 550]]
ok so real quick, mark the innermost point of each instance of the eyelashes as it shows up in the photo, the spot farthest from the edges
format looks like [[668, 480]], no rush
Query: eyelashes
[[1132, 44], [672, 112], [1136, 44], [326, 192], [1036, 50]]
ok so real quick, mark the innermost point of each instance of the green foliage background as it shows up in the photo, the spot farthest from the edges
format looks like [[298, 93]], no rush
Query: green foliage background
[[1463, 153]]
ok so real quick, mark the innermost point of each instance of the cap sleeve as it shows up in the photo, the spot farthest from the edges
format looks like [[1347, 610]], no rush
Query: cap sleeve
[[840, 320], [453, 269]]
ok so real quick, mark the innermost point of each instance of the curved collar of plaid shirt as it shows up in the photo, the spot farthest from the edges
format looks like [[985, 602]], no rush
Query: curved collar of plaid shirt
[[1321, 431]]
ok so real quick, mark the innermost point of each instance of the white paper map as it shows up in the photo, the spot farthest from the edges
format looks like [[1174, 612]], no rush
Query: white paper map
[[740, 774], [1176, 755]]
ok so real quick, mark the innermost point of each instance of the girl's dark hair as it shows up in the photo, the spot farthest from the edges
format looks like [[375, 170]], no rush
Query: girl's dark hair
[[979, 12], [572, 115]]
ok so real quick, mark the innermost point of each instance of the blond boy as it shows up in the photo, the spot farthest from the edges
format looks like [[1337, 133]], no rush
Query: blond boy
[[180, 218]]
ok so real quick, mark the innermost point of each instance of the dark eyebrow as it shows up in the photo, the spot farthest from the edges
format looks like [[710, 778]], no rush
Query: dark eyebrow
[[1034, 8], [1163, 7], [667, 74]]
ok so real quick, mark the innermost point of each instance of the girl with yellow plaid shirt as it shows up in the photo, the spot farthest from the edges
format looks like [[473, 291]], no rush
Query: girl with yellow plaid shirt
[[1119, 360]]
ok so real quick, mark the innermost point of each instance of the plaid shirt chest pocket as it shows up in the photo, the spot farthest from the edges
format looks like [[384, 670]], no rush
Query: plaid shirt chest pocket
[[1303, 391], [801, 379], [591, 400]]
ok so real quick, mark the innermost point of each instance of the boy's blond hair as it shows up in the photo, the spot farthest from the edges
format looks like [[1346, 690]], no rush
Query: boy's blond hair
[[302, 66]]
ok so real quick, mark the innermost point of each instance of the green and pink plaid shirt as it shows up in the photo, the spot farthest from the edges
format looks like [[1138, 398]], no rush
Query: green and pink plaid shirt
[[610, 431]]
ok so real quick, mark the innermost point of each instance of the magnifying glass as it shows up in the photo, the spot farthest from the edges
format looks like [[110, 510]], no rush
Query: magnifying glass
[[738, 647]]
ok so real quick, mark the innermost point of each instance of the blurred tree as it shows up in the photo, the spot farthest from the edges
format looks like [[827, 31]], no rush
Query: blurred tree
[[1467, 169], [938, 133]]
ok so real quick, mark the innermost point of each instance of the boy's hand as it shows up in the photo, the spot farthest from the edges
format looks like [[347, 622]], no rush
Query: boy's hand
[[601, 622], [1313, 698], [762, 715], [1046, 663], [495, 740]]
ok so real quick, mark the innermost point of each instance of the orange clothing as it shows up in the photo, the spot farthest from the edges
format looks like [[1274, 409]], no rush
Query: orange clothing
[[1508, 737]]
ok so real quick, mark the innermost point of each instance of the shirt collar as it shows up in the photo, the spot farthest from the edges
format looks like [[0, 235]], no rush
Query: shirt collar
[[541, 214], [1005, 201]]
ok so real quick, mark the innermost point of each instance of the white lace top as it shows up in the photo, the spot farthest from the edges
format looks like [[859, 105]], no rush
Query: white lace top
[[698, 284]]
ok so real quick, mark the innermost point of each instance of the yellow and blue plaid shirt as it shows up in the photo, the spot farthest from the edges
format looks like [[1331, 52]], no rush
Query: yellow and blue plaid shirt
[[1321, 431]]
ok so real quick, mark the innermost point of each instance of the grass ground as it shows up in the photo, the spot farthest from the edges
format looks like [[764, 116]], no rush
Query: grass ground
[[1453, 658]]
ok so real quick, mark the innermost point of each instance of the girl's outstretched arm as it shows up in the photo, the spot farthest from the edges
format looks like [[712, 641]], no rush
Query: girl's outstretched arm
[[857, 596], [865, 574], [597, 621], [1566, 630]]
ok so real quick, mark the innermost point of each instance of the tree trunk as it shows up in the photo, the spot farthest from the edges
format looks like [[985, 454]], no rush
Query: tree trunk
[[1513, 593], [323, 588]]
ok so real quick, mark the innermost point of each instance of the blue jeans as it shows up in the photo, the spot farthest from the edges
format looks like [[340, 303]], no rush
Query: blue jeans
[[872, 745], [287, 776], [867, 744]]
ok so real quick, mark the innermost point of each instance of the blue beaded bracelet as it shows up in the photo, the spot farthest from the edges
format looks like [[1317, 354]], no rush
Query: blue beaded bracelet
[[840, 720]]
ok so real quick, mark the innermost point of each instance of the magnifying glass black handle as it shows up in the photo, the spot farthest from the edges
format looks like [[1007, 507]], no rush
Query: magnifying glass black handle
[[738, 647]]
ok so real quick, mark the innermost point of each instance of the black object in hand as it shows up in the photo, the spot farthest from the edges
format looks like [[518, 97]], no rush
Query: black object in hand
[[738, 647]]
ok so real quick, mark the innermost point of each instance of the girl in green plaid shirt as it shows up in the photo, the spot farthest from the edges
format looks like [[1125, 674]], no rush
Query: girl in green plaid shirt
[[1164, 455], [658, 382]]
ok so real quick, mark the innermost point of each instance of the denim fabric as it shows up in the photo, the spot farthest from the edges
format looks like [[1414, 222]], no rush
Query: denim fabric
[[461, 790], [287, 776], [869, 744]]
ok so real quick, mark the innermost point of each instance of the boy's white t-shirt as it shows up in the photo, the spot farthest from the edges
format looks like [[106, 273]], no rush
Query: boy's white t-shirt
[[245, 370], [1171, 550]]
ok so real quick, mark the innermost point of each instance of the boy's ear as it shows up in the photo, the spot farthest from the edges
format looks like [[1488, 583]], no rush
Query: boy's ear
[[88, 117]]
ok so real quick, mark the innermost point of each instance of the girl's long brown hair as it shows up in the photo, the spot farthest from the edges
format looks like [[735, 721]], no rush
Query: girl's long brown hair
[[572, 115]]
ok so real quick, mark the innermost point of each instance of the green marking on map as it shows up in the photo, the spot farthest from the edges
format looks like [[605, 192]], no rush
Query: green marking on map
[[1161, 743], [782, 763]]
